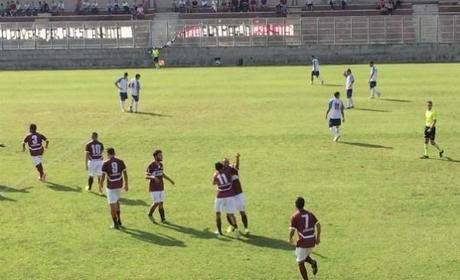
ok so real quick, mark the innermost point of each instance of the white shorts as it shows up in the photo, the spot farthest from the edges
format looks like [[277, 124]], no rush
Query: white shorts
[[302, 253], [239, 202], [95, 167], [113, 195], [37, 160], [225, 204], [158, 196]]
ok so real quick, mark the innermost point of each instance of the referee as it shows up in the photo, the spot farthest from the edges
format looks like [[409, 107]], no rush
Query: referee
[[430, 130]]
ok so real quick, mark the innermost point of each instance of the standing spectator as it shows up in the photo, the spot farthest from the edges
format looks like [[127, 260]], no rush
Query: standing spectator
[[253, 5], [331, 4], [344, 4], [309, 4], [214, 5]]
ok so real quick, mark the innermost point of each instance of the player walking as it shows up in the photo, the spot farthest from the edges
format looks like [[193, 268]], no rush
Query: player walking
[[336, 115], [431, 119], [93, 160], [155, 174], [224, 198], [34, 141], [135, 87], [122, 85], [315, 69], [238, 191], [304, 222], [114, 170], [373, 81], [350, 80]]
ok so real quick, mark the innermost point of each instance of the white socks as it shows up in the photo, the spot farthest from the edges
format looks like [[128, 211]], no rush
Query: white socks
[[349, 103], [122, 105], [335, 131]]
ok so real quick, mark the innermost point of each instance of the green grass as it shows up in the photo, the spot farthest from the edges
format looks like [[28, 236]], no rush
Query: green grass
[[385, 213]]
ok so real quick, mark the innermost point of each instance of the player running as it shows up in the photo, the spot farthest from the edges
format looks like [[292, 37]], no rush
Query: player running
[[336, 115], [315, 69], [135, 87], [238, 191], [34, 141], [93, 160], [431, 119], [304, 222], [224, 198], [373, 81], [350, 80], [114, 170], [155, 174], [122, 85]]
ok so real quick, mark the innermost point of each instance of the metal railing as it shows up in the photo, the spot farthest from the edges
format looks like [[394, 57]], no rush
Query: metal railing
[[233, 32]]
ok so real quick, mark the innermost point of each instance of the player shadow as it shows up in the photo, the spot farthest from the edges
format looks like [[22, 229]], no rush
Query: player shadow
[[62, 188], [267, 242], [158, 239], [371, 110], [319, 255], [4, 188], [331, 85], [153, 114], [133, 202], [447, 159], [202, 234], [4, 198], [366, 145], [396, 100]]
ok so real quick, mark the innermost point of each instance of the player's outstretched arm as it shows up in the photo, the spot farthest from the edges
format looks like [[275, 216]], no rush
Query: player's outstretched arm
[[318, 233], [169, 179], [47, 142], [23, 146], [125, 178], [237, 161]]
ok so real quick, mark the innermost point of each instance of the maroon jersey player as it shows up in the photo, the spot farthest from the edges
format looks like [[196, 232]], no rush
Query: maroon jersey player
[[114, 169], [93, 160], [224, 198], [304, 222], [34, 142], [155, 174], [237, 190]]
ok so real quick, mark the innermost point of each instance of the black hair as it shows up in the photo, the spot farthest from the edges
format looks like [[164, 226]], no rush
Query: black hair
[[33, 127], [156, 152], [371, 62], [336, 94], [111, 151], [430, 102], [94, 135], [299, 202], [138, 76], [126, 74], [219, 165]]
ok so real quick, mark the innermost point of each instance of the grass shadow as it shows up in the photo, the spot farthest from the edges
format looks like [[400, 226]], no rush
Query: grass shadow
[[157, 239], [446, 159], [366, 145], [267, 242], [11, 189], [331, 85], [319, 255], [153, 114], [3, 198], [396, 100], [133, 202], [371, 110], [202, 234], [62, 188]]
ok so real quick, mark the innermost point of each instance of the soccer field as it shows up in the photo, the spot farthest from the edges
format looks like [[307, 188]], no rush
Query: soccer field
[[385, 213]]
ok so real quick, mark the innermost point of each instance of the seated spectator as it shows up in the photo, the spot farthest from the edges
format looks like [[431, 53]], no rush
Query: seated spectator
[[46, 7], [94, 7], [214, 5], [109, 7], [344, 4], [282, 8], [389, 6], [18, 8], [263, 3], [235, 6], [204, 4], [12, 8], [61, 7], [27, 9], [331, 4], [224, 5], [2, 10], [54, 7], [309, 5], [188, 6], [244, 6], [139, 11], [182, 6], [194, 4], [253, 5], [125, 6]]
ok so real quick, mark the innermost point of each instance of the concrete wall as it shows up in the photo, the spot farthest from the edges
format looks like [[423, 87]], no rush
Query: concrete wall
[[132, 58]]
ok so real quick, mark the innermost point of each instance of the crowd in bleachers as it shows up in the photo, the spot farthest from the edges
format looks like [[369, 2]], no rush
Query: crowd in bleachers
[[112, 7], [388, 6], [30, 8]]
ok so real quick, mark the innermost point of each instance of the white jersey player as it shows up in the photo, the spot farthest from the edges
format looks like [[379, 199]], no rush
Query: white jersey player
[[315, 69], [373, 81], [122, 85], [350, 80], [335, 112], [135, 87]]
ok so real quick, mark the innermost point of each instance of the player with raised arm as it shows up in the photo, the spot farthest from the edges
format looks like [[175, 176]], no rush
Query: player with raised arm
[[304, 222], [135, 87], [155, 173], [350, 80], [238, 191], [315, 69], [34, 142], [336, 115], [431, 119], [224, 198], [114, 169], [122, 85], [373, 81], [93, 160]]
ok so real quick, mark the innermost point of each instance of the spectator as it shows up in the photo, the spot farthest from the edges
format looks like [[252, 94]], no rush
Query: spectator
[[188, 6], [344, 4], [2, 10], [194, 4], [331, 4], [309, 4], [12, 8], [94, 7], [182, 6], [46, 7], [389, 7], [61, 6], [54, 7], [235, 7], [139, 11], [125, 6], [204, 4], [214, 5], [116, 7], [263, 3], [282, 8], [244, 6], [224, 5], [109, 6], [253, 5]]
